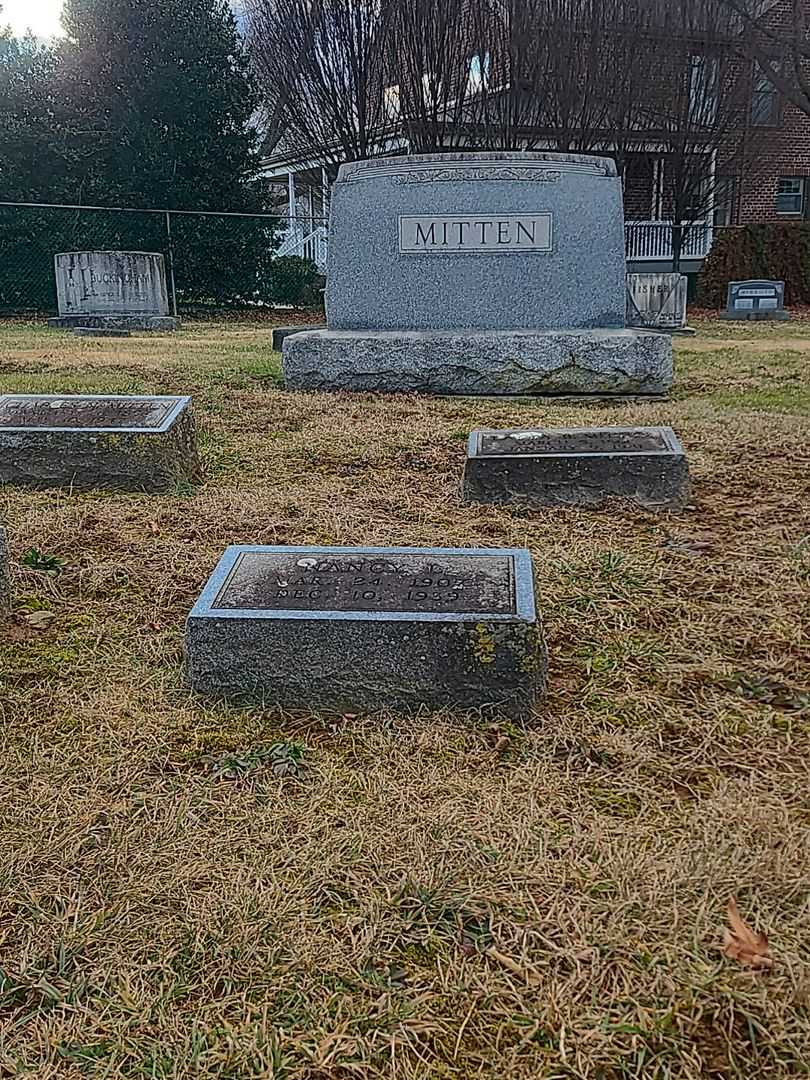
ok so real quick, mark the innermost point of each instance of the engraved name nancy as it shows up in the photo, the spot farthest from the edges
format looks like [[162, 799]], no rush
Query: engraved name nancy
[[368, 580], [476, 234]]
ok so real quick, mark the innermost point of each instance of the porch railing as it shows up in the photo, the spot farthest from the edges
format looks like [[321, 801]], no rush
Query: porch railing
[[644, 241], [308, 239], [653, 240]]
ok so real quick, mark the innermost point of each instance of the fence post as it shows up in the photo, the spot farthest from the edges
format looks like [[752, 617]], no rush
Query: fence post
[[171, 262]]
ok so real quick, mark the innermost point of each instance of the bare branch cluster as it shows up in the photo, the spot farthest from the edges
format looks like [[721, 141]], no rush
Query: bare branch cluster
[[348, 79]]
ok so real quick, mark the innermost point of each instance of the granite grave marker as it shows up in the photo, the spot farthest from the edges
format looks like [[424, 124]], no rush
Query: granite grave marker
[[370, 628], [487, 273], [577, 467], [755, 301], [136, 443], [657, 301], [113, 290]]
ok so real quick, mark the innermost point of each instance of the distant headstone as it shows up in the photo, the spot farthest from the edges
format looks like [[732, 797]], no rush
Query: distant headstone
[[657, 301], [577, 467], [117, 290], [486, 273], [755, 301], [281, 333], [5, 581], [97, 441], [370, 628]]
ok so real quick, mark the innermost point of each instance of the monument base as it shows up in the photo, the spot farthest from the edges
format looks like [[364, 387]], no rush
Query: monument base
[[763, 315], [480, 362], [115, 322]]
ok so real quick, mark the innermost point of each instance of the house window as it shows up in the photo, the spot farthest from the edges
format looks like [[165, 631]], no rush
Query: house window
[[391, 101], [478, 73], [764, 100], [790, 195], [704, 75], [430, 87], [725, 194]]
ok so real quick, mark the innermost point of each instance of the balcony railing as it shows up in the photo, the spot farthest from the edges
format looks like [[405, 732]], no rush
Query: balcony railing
[[652, 240]]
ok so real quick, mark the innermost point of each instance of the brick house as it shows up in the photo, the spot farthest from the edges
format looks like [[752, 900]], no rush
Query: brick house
[[772, 184]]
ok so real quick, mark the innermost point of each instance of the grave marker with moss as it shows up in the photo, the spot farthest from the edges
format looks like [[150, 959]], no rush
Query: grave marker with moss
[[370, 628]]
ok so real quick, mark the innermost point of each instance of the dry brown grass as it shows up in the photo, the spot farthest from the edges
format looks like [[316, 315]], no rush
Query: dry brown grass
[[172, 909]]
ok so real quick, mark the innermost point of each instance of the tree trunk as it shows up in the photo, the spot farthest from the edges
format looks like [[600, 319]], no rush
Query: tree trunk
[[677, 247]]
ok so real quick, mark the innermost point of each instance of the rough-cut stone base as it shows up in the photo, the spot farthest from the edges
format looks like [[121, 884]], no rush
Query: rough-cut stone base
[[115, 322], [99, 331], [485, 363]]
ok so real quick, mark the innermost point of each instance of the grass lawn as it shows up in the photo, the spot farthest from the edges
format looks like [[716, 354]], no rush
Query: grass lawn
[[423, 897]]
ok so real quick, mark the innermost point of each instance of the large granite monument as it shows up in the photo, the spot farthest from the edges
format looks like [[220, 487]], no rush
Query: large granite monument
[[488, 273], [112, 290], [135, 443], [370, 628]]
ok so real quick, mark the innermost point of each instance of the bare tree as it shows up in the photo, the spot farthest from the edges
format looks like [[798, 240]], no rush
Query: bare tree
[[780, 47], [697, 110], [322, 65], [349, 79]]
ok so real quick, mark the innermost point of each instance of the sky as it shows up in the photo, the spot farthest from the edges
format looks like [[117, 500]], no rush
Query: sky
[[41, 16]]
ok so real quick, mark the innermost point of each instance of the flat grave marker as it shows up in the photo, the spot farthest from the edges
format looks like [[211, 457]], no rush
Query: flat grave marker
[[370, 628], [577, 467], [135, 443]]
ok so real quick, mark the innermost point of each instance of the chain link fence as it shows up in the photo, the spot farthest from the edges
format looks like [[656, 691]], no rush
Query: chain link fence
[[213, 260]]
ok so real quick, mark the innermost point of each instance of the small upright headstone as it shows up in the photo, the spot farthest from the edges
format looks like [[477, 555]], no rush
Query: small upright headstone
[[281, 333], [577, 467], [478, 273], [657, 301], [370, 628], [115, 290], [90, 441], [755, 301]]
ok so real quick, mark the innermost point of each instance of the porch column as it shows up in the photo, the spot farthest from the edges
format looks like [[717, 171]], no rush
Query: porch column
[[291, 198], [324, 193]]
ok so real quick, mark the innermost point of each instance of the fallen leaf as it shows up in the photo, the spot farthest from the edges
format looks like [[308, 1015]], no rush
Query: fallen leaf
[[40, 620], [741, 943], [529, 977], [154, 626]]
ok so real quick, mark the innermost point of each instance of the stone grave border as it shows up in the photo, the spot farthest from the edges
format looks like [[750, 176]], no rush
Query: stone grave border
[[525, 609], [180, 403]]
